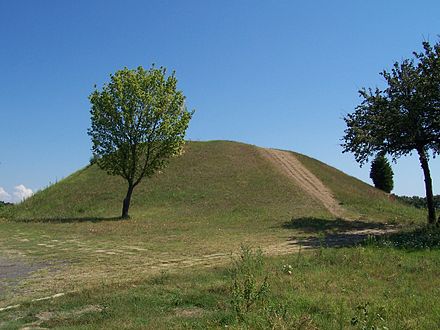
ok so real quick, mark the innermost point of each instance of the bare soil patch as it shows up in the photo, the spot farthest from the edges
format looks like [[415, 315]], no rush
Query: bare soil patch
[[189, 312], [12, 270]]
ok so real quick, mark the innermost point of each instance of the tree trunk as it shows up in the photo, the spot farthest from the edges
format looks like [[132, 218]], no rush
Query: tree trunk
[[428, 185], [126, 203]]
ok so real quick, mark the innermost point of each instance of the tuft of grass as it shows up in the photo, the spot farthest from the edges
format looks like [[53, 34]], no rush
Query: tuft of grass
[[250, 289]]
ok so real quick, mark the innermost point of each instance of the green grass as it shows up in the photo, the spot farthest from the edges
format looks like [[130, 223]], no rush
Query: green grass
[[217, 179], [208, 202], [212, 179], [213, 198], [363, 200], [325, 290]]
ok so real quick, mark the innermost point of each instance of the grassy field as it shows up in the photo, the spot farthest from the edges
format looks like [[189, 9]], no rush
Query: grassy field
[[169, 265], [368, 287]]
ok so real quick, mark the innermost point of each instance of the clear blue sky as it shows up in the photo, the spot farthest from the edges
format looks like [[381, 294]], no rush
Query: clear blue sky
[[272, 73]]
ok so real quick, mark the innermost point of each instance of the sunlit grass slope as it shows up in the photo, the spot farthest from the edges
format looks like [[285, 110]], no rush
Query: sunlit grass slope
[[208, 202], [219, 181], [360, 198]]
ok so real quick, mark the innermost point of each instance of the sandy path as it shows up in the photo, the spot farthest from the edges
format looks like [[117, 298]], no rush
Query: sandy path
[[287, 163]]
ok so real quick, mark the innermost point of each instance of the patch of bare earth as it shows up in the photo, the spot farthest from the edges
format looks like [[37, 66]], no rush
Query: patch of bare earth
[[189, 312], [13, 270], [43, 317]]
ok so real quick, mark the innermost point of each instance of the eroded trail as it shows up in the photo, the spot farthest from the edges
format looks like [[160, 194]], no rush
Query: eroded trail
[[287, 163]]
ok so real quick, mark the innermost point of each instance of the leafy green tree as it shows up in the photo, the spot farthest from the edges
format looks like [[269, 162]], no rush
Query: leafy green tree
[[381, 173], [138, 121], [402, 118]]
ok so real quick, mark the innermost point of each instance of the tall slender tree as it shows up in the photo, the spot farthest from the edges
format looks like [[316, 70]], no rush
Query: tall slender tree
[[403, 118], [381, 173], [139, 120]]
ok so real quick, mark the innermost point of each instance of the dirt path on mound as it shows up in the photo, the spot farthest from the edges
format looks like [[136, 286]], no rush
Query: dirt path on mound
[[287, 163]]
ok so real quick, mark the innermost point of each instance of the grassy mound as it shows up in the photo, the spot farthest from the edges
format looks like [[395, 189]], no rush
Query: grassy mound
[[225, 181], [207, 203]]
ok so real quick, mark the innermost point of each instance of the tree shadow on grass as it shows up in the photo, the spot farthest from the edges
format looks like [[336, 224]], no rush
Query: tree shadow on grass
[[335, 233], [69, 219], [332, 240], [318, 225]]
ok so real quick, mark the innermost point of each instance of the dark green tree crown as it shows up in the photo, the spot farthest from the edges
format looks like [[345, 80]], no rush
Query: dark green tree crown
[[403, 117], [382, 174]]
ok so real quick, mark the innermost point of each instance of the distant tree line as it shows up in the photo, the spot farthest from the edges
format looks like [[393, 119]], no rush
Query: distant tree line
[[2, 204], [419, 202]]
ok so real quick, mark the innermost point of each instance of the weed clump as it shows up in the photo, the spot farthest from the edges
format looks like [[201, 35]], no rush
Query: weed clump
[[366, 319], [251, 301], [250, 287], [426, 237]]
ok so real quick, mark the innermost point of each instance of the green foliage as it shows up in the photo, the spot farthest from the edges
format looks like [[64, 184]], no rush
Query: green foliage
[[426, 237], [251, 302], [93, 159], [6, 209], [402, 118], [418, 202], [250, 288], [366, 319], [138, 121], [382, 174], [5, 204]]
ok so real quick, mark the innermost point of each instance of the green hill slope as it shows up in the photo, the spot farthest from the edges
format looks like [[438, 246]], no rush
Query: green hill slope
[[213, 181], [208, 202]]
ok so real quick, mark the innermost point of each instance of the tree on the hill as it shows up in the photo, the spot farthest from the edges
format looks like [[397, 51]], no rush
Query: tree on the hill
[[381, 173], [403, 118], [138, 121]]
